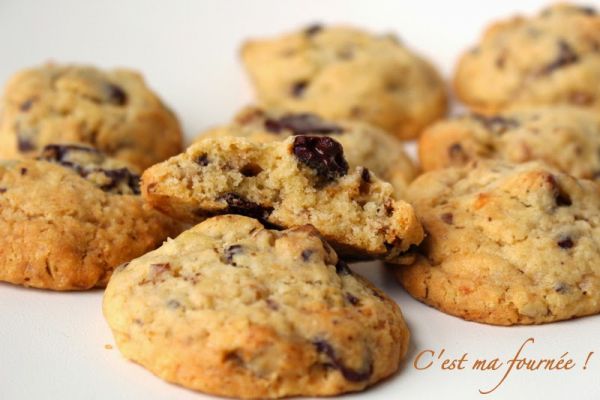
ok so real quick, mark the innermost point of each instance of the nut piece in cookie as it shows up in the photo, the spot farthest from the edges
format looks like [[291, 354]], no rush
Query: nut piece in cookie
[[507, 243], [345, 73], [113, 111], [548, 59], [567, 138], [364, 144], [68, 219], [233, 309], [297, 181]]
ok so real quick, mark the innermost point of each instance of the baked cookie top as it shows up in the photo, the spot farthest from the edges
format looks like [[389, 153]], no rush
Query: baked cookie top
[[233, 309], [567, 138], [113, 111], [551, 58], [66, 225], [364, 144], [507, 244], [341, 72], [301, 180]]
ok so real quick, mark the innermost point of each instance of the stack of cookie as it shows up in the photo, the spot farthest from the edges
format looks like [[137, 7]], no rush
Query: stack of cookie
[[255, 298]]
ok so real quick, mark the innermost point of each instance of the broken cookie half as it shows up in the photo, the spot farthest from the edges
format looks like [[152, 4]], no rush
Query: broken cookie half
[[301, 180]]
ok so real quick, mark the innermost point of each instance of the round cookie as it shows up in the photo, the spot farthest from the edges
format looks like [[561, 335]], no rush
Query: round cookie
[[344, 73], [68, 219], [113, 111], [551, 58], [507, 244], [567, 138], [233, 309], [364, 144]]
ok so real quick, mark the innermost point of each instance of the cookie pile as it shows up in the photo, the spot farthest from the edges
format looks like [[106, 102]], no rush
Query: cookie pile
[[253, 298]]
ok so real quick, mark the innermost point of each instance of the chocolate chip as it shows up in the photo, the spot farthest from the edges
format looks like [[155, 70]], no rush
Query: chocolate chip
[[26, 105], [341, 268], [23, 171], [581, 98], [238, 205], [561, 197], [447, 218], [566, 56], [118, 176], [323, 155], [272, 304], [587, 10], [116, 94], [496, 124], [352, 299], [24, 144], [202, 160], [306, 254], [250, 170], [365, 175], [298, 88], [313, 29], [565, 243], [2, 190], [457, 153], [302, 124], [560, 287], [323, 347], [232, 251]]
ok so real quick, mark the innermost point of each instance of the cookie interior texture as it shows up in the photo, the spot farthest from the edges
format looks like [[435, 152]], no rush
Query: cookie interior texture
[[113, 111], [364, 144], [568, 138], [551, 58], [233, 309], [301, 180], [62, 230], [342, 72], [507, 244]]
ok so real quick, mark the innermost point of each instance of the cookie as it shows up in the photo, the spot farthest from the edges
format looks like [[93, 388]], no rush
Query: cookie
[[233, 309], [301, 180], [548, 59], [507, 243], [113, 111], [364, 144], [568, 138], [68, 219], [344, 73]]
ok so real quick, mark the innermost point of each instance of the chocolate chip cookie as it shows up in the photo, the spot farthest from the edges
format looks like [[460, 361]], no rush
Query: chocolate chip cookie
[[568, 138], [345, 73], [113, 111], [507, 243], [551, 58], [68, 219], [363, 144], [233, 309], [301, 180]]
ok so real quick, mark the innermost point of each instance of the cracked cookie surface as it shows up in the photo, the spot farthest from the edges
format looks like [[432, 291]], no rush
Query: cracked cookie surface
[[364, 144], [301, 180], [113, 111], [567, 138], [344, 73], [551, 58], [507, 244], [66, 224], [233, 309]]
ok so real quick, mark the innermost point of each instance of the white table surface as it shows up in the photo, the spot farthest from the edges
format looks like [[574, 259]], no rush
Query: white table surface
[[54, 345]]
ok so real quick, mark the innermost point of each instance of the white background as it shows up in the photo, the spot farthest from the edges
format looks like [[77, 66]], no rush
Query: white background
[[52, 345]]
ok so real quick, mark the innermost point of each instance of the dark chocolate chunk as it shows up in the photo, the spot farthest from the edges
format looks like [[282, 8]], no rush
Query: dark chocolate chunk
[[231, 251], [118, 176], [313, 29], [306, 254], [497, 124], [323, 155], [323, 347], [587, 10], [24, 144], [238, 205], [565, 243], [457, 153], [566, 56], [447, 218], [302, 124], [365, 175], [26, 105], [298, 88], [352, 299], [341, 268], [561, 197], [2, 190], [202, 160], [250, 170], [116, 94], [23, 171], [560, 287]]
